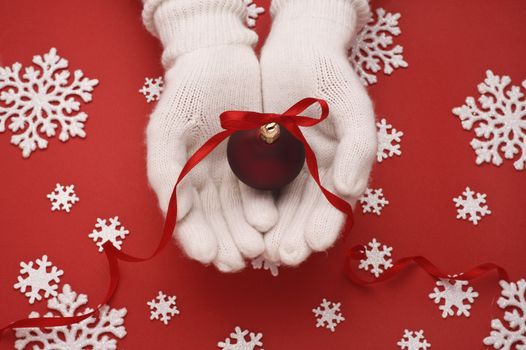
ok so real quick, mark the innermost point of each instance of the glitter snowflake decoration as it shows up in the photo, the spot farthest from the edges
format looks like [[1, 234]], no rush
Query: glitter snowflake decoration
[[454, 296], [163, 307], [261, 262], [414, 340], [377, 260], [152, 89], [253, 12], [373, 47], [63, 197], [472, 206], [499, 121], [512, 335], [36, 102], [373, 200], [328, 315], [92, 333], [44, 278], [241, 342], [388, 141], [113, 233]]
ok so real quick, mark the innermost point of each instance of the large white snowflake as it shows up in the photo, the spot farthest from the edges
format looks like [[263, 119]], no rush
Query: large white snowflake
[[63, 197], [388, 141], [43, 278], [163, 307], [452, 293], [33, 104], [261, 262], [328, 315], [414, 340], [474, 206], [373, 200], [113, 233], [499, 121], [96, 333], [253, 12], [373, 47], [513, 335], [375, 259], [152, 89], [241, 342]]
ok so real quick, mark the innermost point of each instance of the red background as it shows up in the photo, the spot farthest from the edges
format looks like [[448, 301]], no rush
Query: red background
[[449, 44]]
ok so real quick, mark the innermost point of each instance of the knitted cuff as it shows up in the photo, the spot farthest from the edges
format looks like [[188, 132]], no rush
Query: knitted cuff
[[342, 12], [188, 25]]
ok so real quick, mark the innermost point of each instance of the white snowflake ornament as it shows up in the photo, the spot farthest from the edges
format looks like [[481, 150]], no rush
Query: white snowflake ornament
[[95, 332], [261, 262], [512, 335], [388, 141], [152, 89], [454, 295], [373, 201], [63, 197], [499, 121], [253, 12], [375, 259], [44, 278], [113, 233], [373, 47], [37, 102], [414, 340], [163, 307], [241, 342], [328, 315], [472, 206]]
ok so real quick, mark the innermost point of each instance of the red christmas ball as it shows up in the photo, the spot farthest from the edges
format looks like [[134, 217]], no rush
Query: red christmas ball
[[268, 158]]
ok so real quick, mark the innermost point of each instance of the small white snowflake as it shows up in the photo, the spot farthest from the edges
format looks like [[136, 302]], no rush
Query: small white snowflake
[[499, 123], [473, 206], [163, 307], [328, 315], [414, 341], [513, 301], [63, 197], [108, 233], [373, 48], [373, 200], [38, 101], [44, 278], [376, 259], [452, 293], [261, 262], [253, 12], [92, 333], [242, 343], [388, 141], [152, 89]]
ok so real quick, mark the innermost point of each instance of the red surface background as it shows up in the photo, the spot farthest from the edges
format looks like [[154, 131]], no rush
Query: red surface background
[[449, 44]]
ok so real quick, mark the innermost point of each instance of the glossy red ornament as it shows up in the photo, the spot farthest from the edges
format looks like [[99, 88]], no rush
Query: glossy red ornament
[[268, 158]]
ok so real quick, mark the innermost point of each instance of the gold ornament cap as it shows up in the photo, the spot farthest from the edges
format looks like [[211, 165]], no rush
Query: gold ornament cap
[[269, 132]]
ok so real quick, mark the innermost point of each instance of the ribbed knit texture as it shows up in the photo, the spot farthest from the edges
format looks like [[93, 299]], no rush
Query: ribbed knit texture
[[306, 55], [211, 67]]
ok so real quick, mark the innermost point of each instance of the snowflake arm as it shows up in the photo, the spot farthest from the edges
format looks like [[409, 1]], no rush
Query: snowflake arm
[[452, 293], [163, 307], [261, 262], [414, 340], [241, 341], [373, 48], [113, 233], [38, 279], [328, 315], [375, 259], [471, 205], [373, 200], [33, 104], [388, 141], [63, 198], [152, 89], [253, 12]]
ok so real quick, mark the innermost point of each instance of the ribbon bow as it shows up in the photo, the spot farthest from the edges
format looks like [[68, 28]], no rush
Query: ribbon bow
[[231, 122]]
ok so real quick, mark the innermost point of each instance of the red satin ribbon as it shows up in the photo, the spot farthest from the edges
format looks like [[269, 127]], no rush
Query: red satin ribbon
[[358, 253], [231, 121]]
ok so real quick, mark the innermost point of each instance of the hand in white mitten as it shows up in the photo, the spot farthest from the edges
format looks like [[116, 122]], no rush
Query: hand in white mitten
[[210, 67], [306, 56]]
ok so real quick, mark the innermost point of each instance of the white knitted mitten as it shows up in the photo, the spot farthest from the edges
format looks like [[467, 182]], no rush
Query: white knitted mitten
[[210, 68], [306, 56]]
